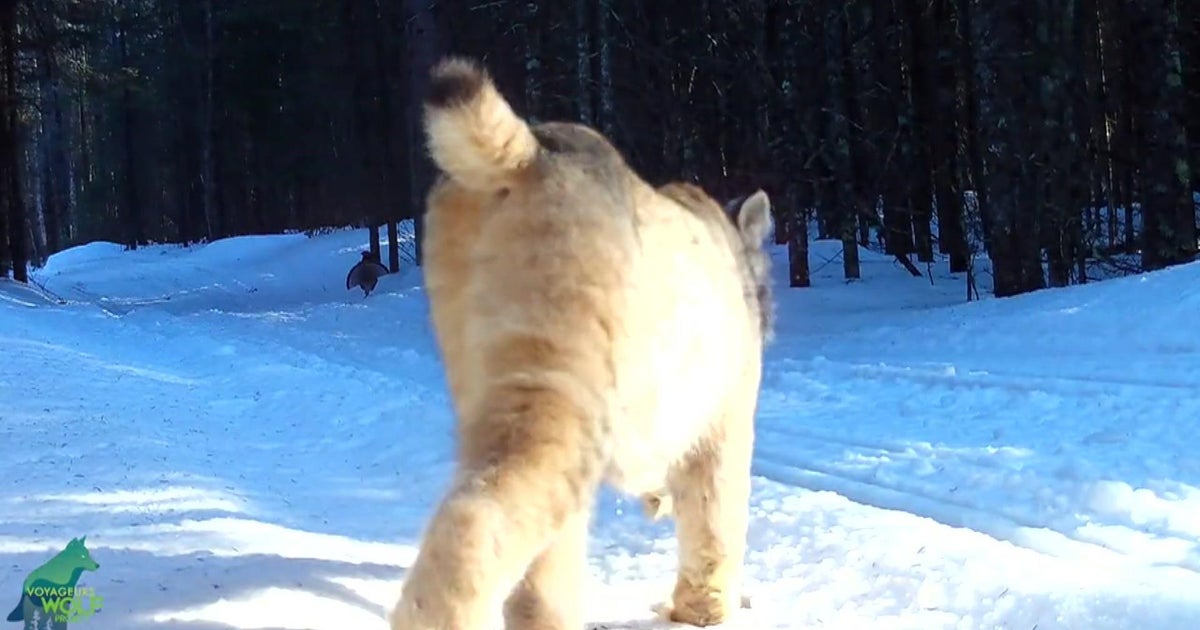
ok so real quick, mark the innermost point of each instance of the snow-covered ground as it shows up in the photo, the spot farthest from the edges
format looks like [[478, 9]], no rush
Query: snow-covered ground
[[246, 444]]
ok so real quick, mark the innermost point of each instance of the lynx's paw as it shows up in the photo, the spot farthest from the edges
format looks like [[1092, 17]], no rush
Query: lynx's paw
[[666, 612], [703, 606]]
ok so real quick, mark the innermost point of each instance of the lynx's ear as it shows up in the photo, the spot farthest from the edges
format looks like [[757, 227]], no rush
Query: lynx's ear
[[754, 218]]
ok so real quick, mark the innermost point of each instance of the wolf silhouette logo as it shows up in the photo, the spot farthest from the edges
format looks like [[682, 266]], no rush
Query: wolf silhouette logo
[[55, 580]]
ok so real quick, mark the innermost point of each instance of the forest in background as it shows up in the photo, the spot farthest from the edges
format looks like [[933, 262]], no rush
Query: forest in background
[[1043, 134]]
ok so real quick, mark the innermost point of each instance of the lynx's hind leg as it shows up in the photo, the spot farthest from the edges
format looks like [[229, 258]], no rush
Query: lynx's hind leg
[[529, 469], [711, 494], [550, 597]]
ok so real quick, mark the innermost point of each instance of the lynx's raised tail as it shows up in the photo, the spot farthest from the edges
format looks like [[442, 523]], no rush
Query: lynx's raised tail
[[473, 134]]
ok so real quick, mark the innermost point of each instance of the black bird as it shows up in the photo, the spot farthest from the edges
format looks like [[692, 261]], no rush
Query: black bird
[[365, 274]]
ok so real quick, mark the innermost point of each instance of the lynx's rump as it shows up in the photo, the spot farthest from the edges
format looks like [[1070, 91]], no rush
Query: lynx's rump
[[594, 329]]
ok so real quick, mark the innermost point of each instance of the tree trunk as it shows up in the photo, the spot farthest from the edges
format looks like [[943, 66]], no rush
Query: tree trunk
[[1189, 43], [10, 150], [608, 107], [894, 131], [533, 56], [952, 237], [134, 231], [86, 161], [388, 171], [1103, 104], [1012, 185], [8, 143], [583, 62], [845, 112], [1083, 167], [53, 153], [208, 137], [1119, 38], [921, 59], [971, 123], [423, 42], [1051, 177], [796, 205], [1168, 219]]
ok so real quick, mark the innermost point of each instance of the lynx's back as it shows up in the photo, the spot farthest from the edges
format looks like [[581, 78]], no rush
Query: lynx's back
[[530, 242]]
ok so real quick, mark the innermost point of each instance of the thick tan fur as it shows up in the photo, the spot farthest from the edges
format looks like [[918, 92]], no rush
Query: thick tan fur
[[594, 330], [473, 133]]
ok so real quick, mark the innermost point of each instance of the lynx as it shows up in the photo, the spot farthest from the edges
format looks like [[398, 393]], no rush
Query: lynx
[[594, 329]]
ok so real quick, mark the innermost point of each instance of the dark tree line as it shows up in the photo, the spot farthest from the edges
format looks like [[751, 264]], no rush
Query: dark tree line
[[1044, 134]]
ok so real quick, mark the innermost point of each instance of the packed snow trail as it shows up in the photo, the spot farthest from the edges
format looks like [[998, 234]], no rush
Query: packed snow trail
[[247, 445]]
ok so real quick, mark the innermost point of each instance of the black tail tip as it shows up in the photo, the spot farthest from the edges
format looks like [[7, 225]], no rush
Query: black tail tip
[[455, 81]]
